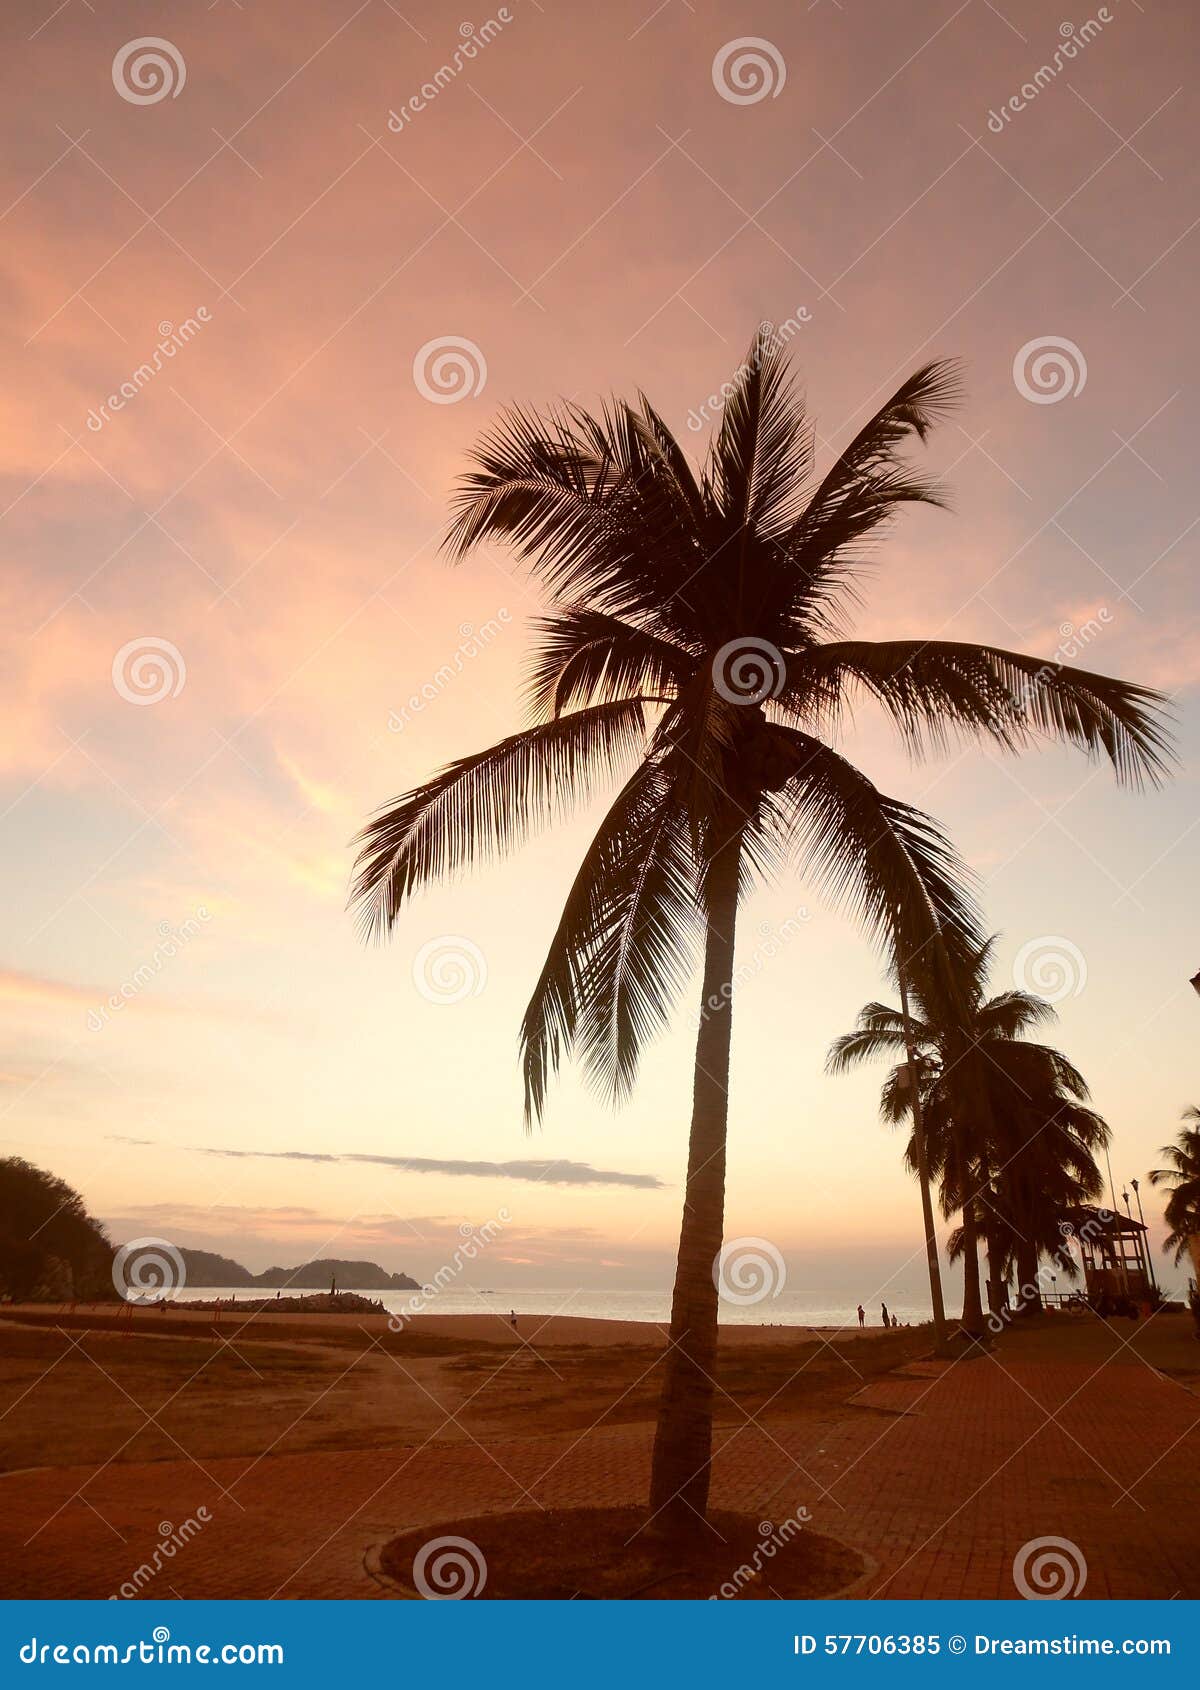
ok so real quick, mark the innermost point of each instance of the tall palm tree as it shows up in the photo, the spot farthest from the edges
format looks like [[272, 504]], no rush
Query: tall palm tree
[[1007, 1130], [693, 632], [1183, 1178]]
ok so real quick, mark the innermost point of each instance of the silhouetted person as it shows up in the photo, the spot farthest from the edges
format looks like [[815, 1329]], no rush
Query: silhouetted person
[[862, 1317], [512, 1319], [886, 1320]]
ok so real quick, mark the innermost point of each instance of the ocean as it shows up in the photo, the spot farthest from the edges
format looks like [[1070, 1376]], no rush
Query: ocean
[[788, 1309]]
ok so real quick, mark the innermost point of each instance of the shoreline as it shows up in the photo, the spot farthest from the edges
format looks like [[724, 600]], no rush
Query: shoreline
[[283, 1315]]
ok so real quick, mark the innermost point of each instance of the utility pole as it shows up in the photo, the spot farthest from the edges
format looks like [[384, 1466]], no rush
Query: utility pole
[[1141, 1216]]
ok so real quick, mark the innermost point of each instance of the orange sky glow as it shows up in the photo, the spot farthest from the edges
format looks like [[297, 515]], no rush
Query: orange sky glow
[[228, 636]]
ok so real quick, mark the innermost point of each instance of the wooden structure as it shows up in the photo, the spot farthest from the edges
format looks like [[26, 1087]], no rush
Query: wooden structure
[[1114, 1250]]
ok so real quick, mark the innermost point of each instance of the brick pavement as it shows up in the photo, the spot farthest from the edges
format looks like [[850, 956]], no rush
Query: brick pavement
[[940, 1478]]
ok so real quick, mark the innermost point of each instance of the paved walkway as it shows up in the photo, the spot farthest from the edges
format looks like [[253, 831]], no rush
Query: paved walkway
[[940, 1475]]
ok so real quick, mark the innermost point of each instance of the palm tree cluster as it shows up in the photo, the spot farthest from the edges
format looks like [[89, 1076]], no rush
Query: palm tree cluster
[[1182, 1178], [695, 652], [1009, 1136]]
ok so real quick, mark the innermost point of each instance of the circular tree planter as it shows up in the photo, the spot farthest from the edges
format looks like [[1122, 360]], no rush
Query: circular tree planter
[[610, 1554]]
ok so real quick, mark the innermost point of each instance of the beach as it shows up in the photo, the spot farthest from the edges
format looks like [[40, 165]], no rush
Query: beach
[[463, 1375], [297, 1447]]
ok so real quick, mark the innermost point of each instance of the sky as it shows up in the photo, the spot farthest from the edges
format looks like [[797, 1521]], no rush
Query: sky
[[223, 594]]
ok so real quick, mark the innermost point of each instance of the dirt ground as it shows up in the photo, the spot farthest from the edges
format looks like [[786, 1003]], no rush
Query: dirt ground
[[88, 1386]]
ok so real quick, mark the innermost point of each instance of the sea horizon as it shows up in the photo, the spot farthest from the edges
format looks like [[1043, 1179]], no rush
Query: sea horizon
[[788, 1309]]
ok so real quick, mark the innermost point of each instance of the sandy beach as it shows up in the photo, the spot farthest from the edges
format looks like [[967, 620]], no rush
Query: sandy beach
[[309, 1442], [275, 1321], [323, 1380]]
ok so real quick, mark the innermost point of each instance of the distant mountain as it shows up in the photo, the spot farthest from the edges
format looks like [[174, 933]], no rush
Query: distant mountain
[[206, 1268], [350, 1276]]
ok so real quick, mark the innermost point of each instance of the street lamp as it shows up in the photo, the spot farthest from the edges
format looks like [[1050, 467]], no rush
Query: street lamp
[[1141, 1216]]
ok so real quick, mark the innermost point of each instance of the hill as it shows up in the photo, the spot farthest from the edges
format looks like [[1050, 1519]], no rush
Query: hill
[[204, 1267]]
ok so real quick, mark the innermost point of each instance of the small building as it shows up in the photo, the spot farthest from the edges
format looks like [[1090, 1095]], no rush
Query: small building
[[1115, 1252]]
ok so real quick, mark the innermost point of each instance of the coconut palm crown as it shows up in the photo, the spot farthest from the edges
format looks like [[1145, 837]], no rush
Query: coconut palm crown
[[694, 641], [1182, 1178]]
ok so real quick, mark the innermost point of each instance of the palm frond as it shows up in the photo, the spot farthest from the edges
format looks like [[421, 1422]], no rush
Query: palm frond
[[589, 502], [935, 690], [1036, 1069], [852, 1049], [484, 805], [863, 490], [625, 944], [584, 657], [887, 863], [1010, 1014], [762, 452]]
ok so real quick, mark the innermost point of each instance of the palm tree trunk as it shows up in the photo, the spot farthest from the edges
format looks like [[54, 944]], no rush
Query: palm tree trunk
[[918, 1113], [1029, 1291], [972, 1315], [680, 1471]]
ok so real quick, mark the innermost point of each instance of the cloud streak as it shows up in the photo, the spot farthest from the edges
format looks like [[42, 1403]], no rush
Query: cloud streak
[[536, 1171]]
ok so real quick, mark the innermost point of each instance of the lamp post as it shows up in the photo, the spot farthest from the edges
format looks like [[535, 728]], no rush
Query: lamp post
[[1139, 1238], [1142, 1218]]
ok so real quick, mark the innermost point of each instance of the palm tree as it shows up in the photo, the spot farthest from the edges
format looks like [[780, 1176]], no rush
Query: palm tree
[[1044, 1161], [1001, 1122], [1183, 1178], [693, 632]]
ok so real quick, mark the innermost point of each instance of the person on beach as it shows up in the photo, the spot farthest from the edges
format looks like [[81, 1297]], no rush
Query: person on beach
[[512, 1319], [862, 1317], [886, 1319]]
